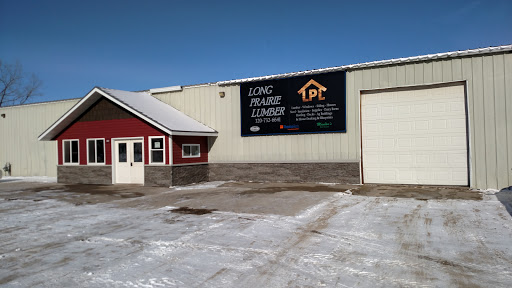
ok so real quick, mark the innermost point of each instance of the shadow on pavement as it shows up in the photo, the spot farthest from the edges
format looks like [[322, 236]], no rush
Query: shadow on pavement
[[505, 197]]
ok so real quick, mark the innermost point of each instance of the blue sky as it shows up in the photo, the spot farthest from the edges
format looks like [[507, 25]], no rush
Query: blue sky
[[135, 45]]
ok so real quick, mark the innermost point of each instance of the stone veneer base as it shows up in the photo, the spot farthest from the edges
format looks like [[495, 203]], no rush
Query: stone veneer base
[[286, 172], [187, 174], [84, 174], [158, 176]]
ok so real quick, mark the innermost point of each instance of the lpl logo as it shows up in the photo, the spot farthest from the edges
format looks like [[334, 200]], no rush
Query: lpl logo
[[315, 91]]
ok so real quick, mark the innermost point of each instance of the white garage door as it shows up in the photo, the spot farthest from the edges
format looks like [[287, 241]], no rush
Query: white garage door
[[415, 136]]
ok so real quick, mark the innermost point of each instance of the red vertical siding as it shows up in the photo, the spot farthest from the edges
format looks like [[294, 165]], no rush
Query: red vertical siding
[[177, 141], [108, 129]]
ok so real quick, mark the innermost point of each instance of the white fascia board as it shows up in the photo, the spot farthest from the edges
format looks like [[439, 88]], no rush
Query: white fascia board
[[43, 137], [183, 133], [165, 89]]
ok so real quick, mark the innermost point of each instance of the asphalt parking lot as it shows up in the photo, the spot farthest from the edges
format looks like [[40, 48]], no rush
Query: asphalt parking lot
[[241, 234]]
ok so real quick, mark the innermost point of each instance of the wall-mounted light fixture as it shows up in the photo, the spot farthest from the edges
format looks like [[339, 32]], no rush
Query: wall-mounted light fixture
[[3, 115], [222, 94]]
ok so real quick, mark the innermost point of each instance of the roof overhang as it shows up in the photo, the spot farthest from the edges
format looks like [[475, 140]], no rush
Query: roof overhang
[[94, 95], [186, 133]]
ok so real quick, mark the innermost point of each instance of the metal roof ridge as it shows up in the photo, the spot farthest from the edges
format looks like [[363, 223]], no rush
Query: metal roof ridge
[[469, 52], [151, 117]]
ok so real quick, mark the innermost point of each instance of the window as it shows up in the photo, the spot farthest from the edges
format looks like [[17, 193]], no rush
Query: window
[[190, 150], [70, 151], [96, 151], [137, 152], [157, 148], [122, 152]]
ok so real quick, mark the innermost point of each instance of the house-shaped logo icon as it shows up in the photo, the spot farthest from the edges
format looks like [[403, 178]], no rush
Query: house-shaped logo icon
[[316, 91]]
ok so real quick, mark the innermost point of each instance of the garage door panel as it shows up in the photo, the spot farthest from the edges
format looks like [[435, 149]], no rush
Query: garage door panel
[[405, 176], [404, 143], [372, 174], [404, 109], [371, 111], [460, 176], [439, 124], [444, 142], [439, 107], [389, 175], [370, 144], [457, 123], [456, 107], [457, 159], [421, 125], [415, 137], [372, 128]]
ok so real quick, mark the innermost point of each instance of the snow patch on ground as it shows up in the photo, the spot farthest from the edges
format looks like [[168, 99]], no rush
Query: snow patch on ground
[[347, 192], [206, 185], [41, 179], [494, 191]]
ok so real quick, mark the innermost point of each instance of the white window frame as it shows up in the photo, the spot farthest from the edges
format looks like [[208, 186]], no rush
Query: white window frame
[[95, 146], [70, 152], [171, 159], [150, 138], [191, 156]]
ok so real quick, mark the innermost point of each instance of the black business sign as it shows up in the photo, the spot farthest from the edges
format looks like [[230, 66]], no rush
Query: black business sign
[[306, 104]]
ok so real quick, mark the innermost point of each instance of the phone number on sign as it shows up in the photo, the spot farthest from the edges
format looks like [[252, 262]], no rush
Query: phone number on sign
[[267, 120]]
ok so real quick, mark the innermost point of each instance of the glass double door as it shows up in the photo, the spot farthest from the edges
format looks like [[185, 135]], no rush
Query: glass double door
[[129, 161]]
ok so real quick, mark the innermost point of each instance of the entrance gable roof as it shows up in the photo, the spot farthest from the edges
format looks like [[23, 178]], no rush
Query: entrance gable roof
[[141, 104]]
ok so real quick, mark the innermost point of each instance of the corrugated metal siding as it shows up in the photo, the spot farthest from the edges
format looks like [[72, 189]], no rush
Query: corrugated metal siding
[[489, 98], [18, 137], [489, 81], [223, 114]]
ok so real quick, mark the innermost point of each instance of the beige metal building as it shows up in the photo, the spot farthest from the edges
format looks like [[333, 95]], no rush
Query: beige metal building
[[19, 128], [443, 119]]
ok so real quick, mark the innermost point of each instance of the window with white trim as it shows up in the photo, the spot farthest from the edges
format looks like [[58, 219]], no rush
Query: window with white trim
[[157, 150], [70, 152], [95, 151], [190, 150]]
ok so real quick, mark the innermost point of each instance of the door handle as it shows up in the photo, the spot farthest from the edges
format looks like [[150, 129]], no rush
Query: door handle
[[131, 164]]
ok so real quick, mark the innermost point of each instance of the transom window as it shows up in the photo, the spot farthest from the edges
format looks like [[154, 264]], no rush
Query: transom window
[[157, 147], [96, 151], [70, 151], [190, 150]]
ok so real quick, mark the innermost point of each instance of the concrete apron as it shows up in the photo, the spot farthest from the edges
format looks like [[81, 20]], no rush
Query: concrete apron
[[239, 197]]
